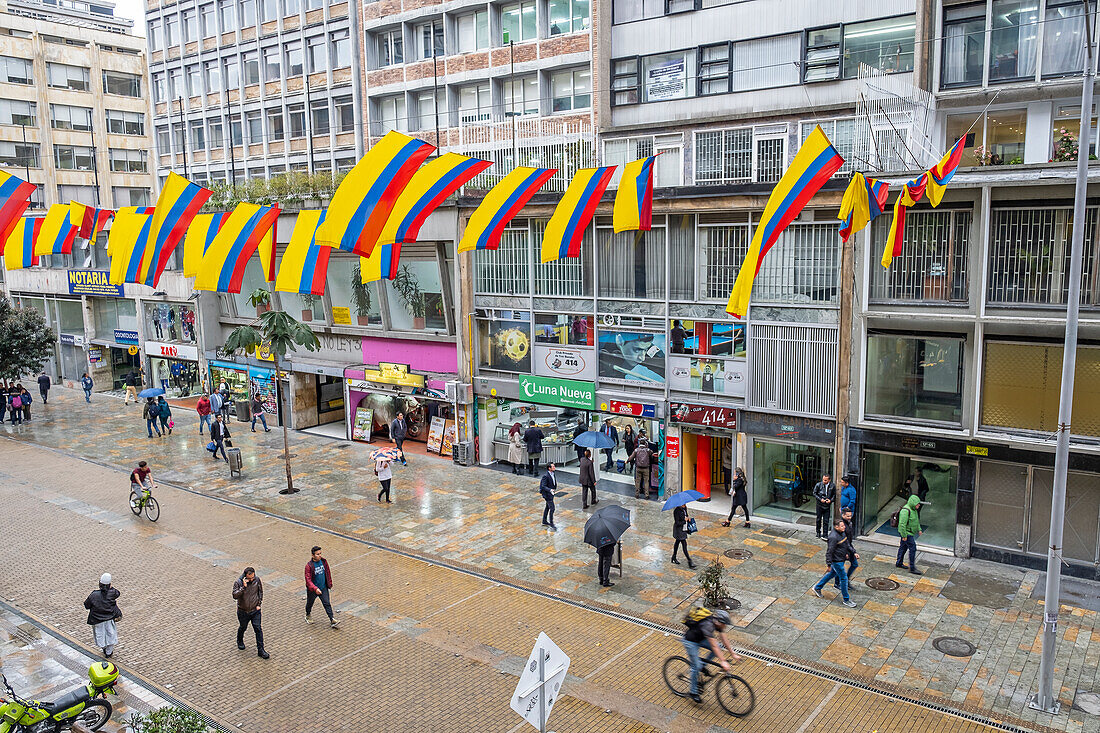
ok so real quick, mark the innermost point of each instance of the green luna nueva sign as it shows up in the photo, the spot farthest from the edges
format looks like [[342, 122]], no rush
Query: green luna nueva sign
[[560, 392]]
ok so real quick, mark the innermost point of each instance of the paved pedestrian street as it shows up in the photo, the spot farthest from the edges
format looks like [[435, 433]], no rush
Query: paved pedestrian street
[[435, 633]]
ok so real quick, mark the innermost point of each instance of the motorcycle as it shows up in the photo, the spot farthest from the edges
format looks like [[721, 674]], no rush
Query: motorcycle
[[84, 705]]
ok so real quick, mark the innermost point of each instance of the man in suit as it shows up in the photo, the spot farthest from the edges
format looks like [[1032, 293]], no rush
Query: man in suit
[[547, 487], [219, 433], [610, 431]]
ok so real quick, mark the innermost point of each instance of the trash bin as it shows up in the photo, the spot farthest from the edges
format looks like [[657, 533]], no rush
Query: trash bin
[[234, 456], [244, 410]]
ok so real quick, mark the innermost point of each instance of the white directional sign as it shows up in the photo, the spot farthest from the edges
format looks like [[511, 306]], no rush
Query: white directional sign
[[540, 683]]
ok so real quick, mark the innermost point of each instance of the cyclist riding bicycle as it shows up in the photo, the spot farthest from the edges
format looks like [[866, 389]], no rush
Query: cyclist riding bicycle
[[705, 629], [141, 480]]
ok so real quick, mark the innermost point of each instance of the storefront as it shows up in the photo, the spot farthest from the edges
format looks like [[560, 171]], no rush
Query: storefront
[[171, 322], [174, 368], [110, 360], [706, 440], [74, 359], [787, 456], [631, 421], [375, 395], [246, 381]]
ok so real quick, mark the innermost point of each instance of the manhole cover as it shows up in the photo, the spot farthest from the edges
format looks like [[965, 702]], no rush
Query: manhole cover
[[729, 604], [738, 554], [289, 491], [882, 584], [953, 646]]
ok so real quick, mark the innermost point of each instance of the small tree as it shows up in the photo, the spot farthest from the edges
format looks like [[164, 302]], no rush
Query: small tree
[[712, 583], [283, 334], [26, 342]]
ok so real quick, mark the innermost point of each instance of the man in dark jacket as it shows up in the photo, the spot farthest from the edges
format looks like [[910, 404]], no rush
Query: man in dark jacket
[[642, 458], [603, 567], [588, 478], [44, 387], [824, 491], [219, 433], [318, 582], [533, 436], [102, 605], [248, 591], [610, 431], [835, 556], [398, 430], [130, 380], [578, 432], [850, 533], [547, 487]]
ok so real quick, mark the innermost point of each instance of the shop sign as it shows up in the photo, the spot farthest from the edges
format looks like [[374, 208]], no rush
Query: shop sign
[[559, 392], [490, 409], [71, 339], [565, 362], [172, 351], [707, 375], [126, 337], [709, 415], [93, 282], [263, 352], [976, 450], [95, 354], [672, 446], [133, 350], [341, 316], [387, 373], [807, 429], [363, 425], [389, 370], [635, 409]]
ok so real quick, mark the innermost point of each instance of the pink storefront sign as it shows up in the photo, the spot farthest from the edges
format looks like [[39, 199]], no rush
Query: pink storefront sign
[[421, 356]]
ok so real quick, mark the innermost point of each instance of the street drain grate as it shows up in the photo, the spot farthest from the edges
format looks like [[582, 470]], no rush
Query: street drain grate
[[738, 553], [953, 646], [882, 584]]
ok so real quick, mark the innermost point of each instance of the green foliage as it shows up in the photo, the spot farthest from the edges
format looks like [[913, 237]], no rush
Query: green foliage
[[712, 583], [1065, 145], [282, 332], [408, 287], [26, 342], [292, 189], [360, 292], [168, 720]]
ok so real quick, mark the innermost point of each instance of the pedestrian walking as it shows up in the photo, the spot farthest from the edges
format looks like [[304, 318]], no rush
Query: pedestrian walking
[[205, 410], [603, 563], [86, 384], [850, 533], [610, 431], [150, 412], [104, 615], [642, 459], [248, 591], [164, 412], [384, 472], [588, 479], [44, 387], [223, 392], [398, 430], [130, 380], [258, 412], [3, 403], [318, 583], [847, 496], [219, 434], [532, 438], [578, 432], [680, 534], [922, 485], [824, 491], [630, 442], [547, 487], [15, 407], [909, 529], [25, 400], [739, 488], [836, 554], [517, 452]]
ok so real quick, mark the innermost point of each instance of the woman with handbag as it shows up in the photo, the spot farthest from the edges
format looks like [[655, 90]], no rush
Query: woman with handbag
[[104, 614], [680, 533], [740, 492]]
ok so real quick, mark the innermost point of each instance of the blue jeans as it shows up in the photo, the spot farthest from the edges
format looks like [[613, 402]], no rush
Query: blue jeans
[[260, 416], [87, 395], [219, 445], [204, 420], [695, 656], [836, 570], [908, 543], [151, 425]]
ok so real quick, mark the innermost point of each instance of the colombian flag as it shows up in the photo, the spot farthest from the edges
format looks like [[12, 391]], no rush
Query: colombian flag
[[864, 200], [178, 203], [19, 248], [565, 230], [382, 263], [15, 195], [362, 204], [941, 173], [634, 199], [102, 216], [429, 187], [305, 263], [817, 160], [88, 219], [199, 235], [222, 267], [500, 205], [127, 211], [127, 243], [58, 232]]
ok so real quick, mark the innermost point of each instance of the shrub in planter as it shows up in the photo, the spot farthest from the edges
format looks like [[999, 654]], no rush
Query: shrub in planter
[[168, 720]]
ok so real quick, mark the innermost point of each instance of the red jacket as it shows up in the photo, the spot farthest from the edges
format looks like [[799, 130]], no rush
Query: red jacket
[[204, 406], [310, 585]]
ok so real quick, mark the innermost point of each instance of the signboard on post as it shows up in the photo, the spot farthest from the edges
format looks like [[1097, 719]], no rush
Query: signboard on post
[[540, 683]]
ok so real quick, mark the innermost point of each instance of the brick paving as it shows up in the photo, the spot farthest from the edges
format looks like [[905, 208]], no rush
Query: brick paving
[[489, 520]]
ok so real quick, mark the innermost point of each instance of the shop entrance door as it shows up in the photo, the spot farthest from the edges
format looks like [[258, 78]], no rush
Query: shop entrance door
[[888, 481], [706, 465]]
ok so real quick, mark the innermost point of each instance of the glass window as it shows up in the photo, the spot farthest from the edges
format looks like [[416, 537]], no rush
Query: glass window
[[63, 76], [316, 54], [18, 112], [996, 139], [1067, 125], [65, 117], [318, 114], [294, 58], [963, 45], [194, 80], [723, 156], [296, 118], [20, 155], [228, 16], [251, 62], [665, 77], [429, 39], [253, 278], [236, 133], [206, 20], [517, 21], [568, 16], [156, 37], [171, 30], [16, 70], [390, 48], [344, 114], [624, 11], [882, 44], [341, 49], [117, 82], [714, 69], [1064, 38], [391, 114], [504, 342], [473, 31], [232, 76], [915, 377], [426, 103], [473, 102], [632, 264], [783, 475], [248, 13], [822, 54], [175, 87], [291, 7], [624, 81], [198, 135], [504, 271], [212, 76], [269, 10], [216, 133], [571, 89], [254, 122], [272, 70], [164, 144], [128, 161], [275, 124], [1012, 42], [190, 26], [159, 90], [521, 96], [127, 196], [415, 297], [346, 289], [170, 322], [565, 328], [698, 338]]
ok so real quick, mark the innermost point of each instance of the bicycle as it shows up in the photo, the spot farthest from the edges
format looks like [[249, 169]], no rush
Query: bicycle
[[733, 692], [146, 502]]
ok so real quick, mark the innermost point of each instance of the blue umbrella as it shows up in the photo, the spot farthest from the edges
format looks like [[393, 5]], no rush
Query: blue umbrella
[[594, 439], [681, 498], [151, 392]]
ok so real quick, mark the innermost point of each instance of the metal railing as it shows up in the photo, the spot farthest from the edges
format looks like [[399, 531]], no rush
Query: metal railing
[[932, 266], [504, 271], [567, 144]]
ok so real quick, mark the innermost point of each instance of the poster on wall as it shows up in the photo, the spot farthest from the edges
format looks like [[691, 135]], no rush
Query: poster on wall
[[261, 383], [632, 356], [710, 339], [435, 434], [565, 362], [666, 80], [710, 376], [505, 345], [363, 425], [449, 428]]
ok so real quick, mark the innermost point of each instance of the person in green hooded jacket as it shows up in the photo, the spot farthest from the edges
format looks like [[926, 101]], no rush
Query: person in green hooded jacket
[[909, 529]]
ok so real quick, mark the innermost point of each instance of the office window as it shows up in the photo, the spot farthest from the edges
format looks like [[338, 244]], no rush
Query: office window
[[344, 114], [253, 120], [212, 76], [521, 96], [18, 112], [178, 140], [127, 196], [1064, 38], [120, 122], [315, 4], [291, 7], [215, 133], [269, 10], [72, 157], [723, 156], [231, 74], [517, 21], [275, 124], [318, 116], [473, 31], [625, 11], [171, 30], [391, 114], [766, 63], [296, 119], [1013, 39], [175, 88], [568, 16], [272, 70], [194, 80], [248, 13], [963, 45], [473, 103], [390, 48], [624, 81], [86, 194], [207, 23], [236, 133], [190, 23], [714, 69], [65, 117], [128, 161], [429, 39], [198, 135], [341, 49], [996, 139], [227, 14], [19, 155], [883, 44], [250, 61], [915, 377], [426, 104], [822, 54], [63, 76], [571, 89], [156, 36], [118, 82], [16, 70], [294, 58], [316, 54], [159, 90], [164, 141]]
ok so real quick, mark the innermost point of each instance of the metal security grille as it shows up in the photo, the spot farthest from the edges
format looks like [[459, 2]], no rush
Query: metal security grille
[[724, 248], [1000, 505], [1029, 253], [802, 267], [769, 160], [567, 276], [932, 266], [793, 369], [504, 271], [844, 136], [723, 156]]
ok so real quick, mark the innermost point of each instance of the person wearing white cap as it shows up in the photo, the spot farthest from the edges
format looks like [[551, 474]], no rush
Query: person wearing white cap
[[103, 614]]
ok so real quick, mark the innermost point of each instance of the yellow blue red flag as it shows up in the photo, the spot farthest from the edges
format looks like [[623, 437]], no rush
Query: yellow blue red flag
[[565, 230], [305, 263], [634, 200], [88, 219], [364, 199], [817, 160], [203, 229], [15, 195], [500, 206], [942, 172], [222, 267], [177, 205], [429, 187], [864, 200], [19, 248], [126, 243], [57, 234]]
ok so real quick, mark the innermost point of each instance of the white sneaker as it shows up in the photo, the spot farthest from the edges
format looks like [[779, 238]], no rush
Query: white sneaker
[[849, 604], [334, 624], [308, 619]]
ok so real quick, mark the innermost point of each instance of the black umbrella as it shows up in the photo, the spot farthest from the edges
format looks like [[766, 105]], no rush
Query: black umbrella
[[606, 525]]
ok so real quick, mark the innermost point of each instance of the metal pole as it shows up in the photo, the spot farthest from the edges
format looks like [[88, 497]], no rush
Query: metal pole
[[95, 167], [542, 691], [512, 81], [26, 160], [1046, 699], [232, 160], [435, 97], [183, 137]]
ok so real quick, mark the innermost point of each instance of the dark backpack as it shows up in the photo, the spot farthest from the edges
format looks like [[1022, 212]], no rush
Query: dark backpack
[[895, 518]]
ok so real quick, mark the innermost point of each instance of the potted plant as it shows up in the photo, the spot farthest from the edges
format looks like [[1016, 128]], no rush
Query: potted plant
[[408, 288], [360, 296], [262, 308], [713, 587], [308, 301]]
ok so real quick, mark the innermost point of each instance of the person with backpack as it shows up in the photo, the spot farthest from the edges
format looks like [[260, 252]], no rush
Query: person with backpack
[[705, 628], [151, 412], [15, 406], [908, 523], [532, 437], [836, 555], [641, 458], [86, 384], [164, 412]]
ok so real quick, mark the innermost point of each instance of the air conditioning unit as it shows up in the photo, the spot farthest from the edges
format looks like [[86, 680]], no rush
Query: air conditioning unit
[[460, 392], [463, 453]]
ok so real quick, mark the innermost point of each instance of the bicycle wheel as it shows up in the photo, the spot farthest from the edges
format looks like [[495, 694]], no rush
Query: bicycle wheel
[[677, 672], [135, 504], [152, 509], [735, 695]]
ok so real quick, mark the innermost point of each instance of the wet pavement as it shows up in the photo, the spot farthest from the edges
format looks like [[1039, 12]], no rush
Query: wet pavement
[[490, 521]]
